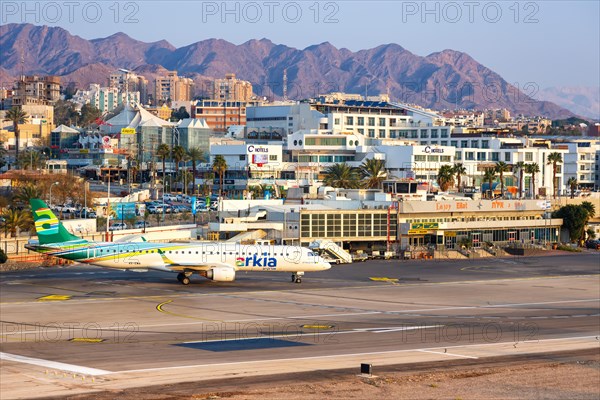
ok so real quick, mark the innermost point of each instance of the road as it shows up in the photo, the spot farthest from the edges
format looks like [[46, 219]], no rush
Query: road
[[82, 329]]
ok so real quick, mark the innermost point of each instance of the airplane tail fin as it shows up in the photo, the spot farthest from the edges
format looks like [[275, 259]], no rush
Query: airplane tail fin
[[49, 229]]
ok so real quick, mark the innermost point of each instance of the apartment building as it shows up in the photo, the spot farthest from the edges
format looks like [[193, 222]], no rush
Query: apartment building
[[127, 81], [232, 89], [173, 87], [36, 90]]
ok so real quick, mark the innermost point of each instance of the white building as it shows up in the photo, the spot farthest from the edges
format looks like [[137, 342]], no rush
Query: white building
[[106, 99]]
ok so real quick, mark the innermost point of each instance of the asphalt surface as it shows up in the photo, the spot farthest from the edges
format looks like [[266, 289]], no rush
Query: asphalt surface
[[101, 325]]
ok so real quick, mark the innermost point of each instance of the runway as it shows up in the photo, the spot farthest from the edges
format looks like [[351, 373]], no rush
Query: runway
[[82, 329]]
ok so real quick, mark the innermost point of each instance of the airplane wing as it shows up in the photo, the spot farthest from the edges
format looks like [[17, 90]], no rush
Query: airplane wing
[[174, 266]]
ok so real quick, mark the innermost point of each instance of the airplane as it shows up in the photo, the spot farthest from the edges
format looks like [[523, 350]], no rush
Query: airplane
[[217, 261]]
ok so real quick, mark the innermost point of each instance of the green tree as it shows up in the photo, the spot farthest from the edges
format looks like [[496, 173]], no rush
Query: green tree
[[575, 218], [373, 173], [572, 183], [163, 151], [532, 169], [445, 178], [31, 159], [501, 168], [219, 166], [65, 113], [15, 221], [520, 166], [26, 193], [17, 116], [489, 176], [181, 113], [3, 154], [179, 155], [459, 170], [341, 175], [89, 113], [195, 154], [554, 158]]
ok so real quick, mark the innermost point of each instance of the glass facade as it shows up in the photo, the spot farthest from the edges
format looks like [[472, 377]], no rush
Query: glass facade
[[352, 225]]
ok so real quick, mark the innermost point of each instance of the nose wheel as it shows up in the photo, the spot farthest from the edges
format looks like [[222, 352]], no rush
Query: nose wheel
[[183, 278], [297, 277]]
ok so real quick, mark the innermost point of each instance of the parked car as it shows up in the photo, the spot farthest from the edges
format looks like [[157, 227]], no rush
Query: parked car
[[169, 197], [360, 256], [118, 226], [142, 225], [154, 209], [593, 244]]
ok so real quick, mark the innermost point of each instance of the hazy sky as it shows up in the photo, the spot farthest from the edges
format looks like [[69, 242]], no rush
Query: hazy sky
[[551, 43]]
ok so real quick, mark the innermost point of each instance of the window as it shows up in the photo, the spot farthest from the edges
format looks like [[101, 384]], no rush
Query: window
[[444, 133], [371, 121], [242, 157], [434, 133], [372, 133], [485, 144], [458, 156], [469, 156], [393, 134], [420, 157], [507, 156], [454, 143], [433, 158], [273, 157], [424, 134], [360, 121], [495, 156], [475, 144], [381, 121], [413, 134], [349, 120], [445, 159], [382, 133], [336, 121], [464, 144], [528, 156], [481, 156], [361, 131]]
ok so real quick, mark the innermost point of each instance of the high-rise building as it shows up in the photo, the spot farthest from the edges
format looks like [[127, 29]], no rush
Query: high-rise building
[[232, 89], [172, 87], [106, 99], [127, 81], [37, 90]]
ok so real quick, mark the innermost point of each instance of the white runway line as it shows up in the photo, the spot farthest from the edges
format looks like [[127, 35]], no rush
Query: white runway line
[[53, 364], [447, 354]]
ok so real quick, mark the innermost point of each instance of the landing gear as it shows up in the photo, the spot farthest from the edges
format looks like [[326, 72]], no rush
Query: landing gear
[[183, 278], [297, 277]]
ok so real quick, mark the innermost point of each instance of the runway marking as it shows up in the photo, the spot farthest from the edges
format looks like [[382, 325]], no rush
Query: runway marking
[[383, 279], [54, 297], [395, 328], [86, 340], [160, 309], [507, 305], [448, 354], [53, 364], [339, 355]]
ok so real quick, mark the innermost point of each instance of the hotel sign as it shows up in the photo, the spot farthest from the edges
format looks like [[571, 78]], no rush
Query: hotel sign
[[418, 231], [128, 131], [425, 225]]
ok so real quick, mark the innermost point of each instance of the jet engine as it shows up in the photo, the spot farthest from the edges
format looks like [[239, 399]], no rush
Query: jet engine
[[221, 274]]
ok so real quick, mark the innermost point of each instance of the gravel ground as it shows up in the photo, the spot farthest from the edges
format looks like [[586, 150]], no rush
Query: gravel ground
[[572, 376]]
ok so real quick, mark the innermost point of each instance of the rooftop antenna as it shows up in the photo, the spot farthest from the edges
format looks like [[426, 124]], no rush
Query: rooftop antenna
[[285, 84], [22, 67]]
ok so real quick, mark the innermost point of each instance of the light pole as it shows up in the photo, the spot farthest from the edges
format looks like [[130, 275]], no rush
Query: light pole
[[50, 200]]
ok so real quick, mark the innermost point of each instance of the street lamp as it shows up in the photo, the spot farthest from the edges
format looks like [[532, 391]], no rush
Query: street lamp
[[50, 200]]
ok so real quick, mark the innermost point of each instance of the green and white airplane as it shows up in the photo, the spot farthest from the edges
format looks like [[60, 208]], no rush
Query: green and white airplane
[[218, 261]]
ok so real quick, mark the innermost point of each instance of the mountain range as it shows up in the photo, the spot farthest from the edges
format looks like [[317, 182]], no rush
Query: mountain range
[[443, 80]]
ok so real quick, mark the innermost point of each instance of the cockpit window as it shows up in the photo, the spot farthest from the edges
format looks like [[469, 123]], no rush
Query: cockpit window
[[311, 254]]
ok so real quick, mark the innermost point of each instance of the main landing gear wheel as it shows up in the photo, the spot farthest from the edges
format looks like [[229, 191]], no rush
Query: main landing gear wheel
[[296, 278], [183, 279]]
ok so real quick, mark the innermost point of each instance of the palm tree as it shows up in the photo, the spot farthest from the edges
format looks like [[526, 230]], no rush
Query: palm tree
[[532, 169], [196, 154], [17, 116], [445, 177], [219, 166], [459, 170], [572, 183], [15, 220], [373, 173], [554, 159], [179, 154], [163, 152], [489, 176], [520, 166], [341, 175], [26, 193], [501, 168], [31, 159]]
